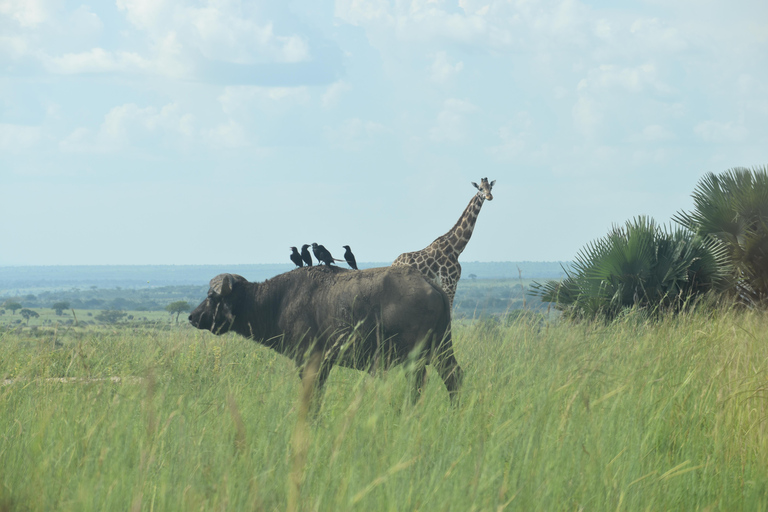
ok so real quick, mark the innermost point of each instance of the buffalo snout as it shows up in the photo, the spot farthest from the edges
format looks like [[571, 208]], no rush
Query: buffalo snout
[[196, 316]]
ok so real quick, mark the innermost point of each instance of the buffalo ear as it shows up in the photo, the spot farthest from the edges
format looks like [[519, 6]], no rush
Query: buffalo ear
[[222, 284]]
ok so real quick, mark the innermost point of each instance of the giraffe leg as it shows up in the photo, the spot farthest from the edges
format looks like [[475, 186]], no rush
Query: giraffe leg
[[451, 294], [449, 286]]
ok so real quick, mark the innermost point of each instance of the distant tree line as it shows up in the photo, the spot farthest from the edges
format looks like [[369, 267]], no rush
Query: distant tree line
[[141, 299]]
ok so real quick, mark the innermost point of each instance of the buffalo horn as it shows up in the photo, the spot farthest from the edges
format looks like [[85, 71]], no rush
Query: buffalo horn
[[222, 284]]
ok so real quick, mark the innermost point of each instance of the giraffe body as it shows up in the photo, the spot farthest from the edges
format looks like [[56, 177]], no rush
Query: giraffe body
[[439, 261]]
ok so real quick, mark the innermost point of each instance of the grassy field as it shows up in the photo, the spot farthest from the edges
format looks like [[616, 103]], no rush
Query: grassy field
[[553, 416]]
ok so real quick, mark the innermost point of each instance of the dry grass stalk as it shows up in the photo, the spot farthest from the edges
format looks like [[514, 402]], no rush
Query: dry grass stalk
[[300, 438]]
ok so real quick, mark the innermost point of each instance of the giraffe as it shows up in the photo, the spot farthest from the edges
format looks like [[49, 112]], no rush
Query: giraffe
[[439, 261]]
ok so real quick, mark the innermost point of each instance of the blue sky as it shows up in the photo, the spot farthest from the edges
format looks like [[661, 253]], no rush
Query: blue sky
[[225, 131]]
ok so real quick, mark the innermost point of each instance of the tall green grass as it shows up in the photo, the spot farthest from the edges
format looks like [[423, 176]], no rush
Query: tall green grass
[[630, 416]]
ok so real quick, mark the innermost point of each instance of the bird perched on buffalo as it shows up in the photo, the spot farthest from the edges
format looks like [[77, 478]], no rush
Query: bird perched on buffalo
[[322, 254], [350, 257], [296, 257], [305, 255]]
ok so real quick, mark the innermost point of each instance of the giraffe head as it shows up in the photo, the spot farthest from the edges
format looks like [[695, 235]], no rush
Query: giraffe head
[[485, 188]]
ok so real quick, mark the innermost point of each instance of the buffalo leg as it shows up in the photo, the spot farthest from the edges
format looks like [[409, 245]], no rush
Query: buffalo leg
[[322, 377], [315, 373], [449, 370], [418, 376]]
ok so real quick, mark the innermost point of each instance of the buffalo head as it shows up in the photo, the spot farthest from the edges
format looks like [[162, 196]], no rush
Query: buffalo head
[[217, 312]]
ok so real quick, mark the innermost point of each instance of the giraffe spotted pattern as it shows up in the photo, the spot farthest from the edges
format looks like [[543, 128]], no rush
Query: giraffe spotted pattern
[[439, 261]]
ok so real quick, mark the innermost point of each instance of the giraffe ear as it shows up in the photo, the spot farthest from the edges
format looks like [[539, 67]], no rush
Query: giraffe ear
[[493, 182], [475, 185]]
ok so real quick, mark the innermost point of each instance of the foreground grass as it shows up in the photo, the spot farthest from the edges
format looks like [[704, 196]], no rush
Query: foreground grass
[[633, 416]]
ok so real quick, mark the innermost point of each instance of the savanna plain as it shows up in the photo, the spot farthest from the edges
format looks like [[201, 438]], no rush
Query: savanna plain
[[636, 414]]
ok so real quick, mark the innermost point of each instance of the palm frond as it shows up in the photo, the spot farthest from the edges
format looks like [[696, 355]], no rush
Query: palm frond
[[639, 264], [731, 209]]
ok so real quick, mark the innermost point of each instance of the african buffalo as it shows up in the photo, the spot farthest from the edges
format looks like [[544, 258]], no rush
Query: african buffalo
[[366, 319]]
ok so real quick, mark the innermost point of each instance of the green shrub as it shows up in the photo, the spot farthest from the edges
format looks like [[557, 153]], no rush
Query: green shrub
[[732, 210], [641, 265]]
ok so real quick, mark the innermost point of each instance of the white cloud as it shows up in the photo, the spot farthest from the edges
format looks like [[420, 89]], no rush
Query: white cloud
[[587, 116], [83, 21], [442, 69], [559, 92], [333, 93], [634, 79], [657, 36], [480, 7], [451, 121], [714, 131], [220, 31], [172, 37], [566, 18], [120, 121], [354, 134], [147, 14], [227, 36], [14, 46], [129, 125], [603, 28], [14, 137], [27, 13], [81, 140], [229, 135], [417, 20], [236, 100], [657, 133], [170, 59], [512, 144], [515, 137], [98, 60], [624, 102], [360, 12]]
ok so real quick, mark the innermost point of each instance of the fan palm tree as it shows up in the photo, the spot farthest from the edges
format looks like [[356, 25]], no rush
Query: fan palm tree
[[732, 209], [638, 265]]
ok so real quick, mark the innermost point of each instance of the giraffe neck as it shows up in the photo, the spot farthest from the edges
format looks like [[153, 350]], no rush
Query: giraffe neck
[[455, 241]]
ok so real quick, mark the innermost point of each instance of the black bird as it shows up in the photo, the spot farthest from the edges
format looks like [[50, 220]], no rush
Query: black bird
[[322, 254], [350, 257], [296, 257], [305, 255]]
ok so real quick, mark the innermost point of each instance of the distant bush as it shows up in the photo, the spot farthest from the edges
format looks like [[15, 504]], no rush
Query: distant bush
[[110, 316], [60, 306], [178, 307], [28, 313], [12, 305]]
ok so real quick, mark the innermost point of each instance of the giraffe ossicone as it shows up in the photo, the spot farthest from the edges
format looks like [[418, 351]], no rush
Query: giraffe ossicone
[[439, 261]]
